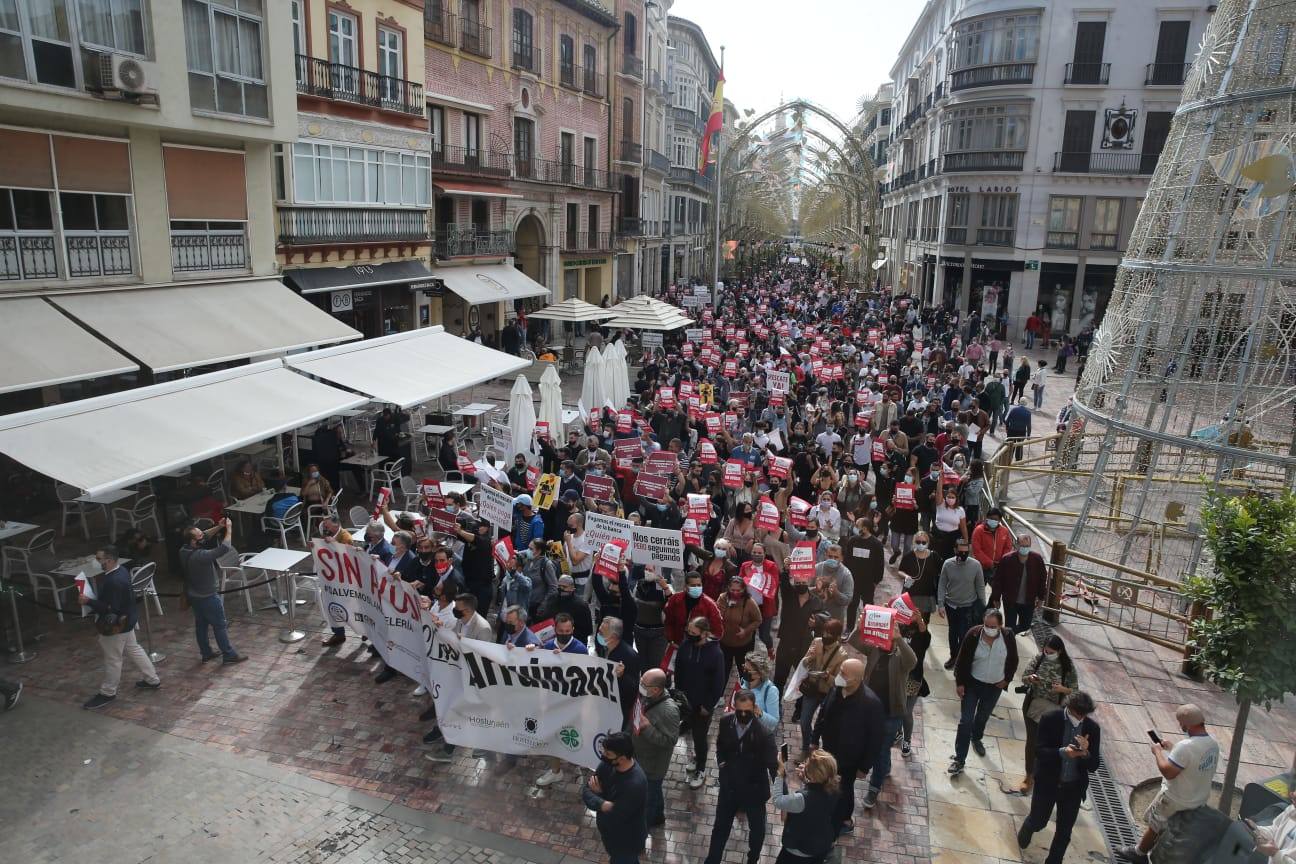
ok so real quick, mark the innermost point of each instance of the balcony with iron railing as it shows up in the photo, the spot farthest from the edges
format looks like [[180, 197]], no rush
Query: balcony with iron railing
[[992, 75], [304, 226], [1166, 74], [439, 25], [682, 174], [456, 159], [29, 255], [563, 173], [984, 160], [684, 115], [586, 241], [525, 57], [582, 79], [631, 151], [995, 236], [658, 162], [939, 92], [632, 65], [454, 241], [956, 236], [1062, 239], [476, 38], [201, 251], [1125, 162], [325, 80], [1087, 73], [631, 226]]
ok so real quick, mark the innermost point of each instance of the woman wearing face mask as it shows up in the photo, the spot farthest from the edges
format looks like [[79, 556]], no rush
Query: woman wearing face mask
[[756, 678], [919, 639], [973, 491], [853, 494], [829, 518], [949, 521], [741, 530], [1050, 677], [904, 521], [315, 488], [822, 663], [921, 571], [717, 566], [741, 618]]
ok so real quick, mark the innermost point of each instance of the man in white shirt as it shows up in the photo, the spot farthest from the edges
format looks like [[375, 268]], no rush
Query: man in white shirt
[[1186, 769], [826, 439]]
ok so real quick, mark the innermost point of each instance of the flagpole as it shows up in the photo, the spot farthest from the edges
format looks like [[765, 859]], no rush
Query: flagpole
[[715, 246]]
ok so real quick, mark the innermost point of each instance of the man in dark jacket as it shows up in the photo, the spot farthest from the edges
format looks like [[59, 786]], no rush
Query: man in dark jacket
[[655, 738], [849, 726], [1066, 754], [1021, 582], [113, 596], [618, 793], [864, 557], [699, 672], [748, 762], [565, 600], [610, 646]]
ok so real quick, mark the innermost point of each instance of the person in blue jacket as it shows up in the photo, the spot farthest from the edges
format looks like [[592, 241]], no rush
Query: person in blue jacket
[[528, 525], [700, 674]]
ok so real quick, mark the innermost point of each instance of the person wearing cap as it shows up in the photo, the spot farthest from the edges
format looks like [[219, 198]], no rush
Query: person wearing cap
[[565, 601], [528, 525]]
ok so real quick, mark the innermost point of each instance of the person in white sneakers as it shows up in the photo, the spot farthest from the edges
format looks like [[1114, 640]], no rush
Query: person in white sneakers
[[564, 642]]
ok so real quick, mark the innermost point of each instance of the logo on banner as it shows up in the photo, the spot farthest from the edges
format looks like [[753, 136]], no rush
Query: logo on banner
[[570, 737], [337, 613]]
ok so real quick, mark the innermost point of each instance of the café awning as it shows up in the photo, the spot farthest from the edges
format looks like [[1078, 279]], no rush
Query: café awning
[[124, 438], [408, 368], [317, 280], [42, 347], [181, 326], [490, 283], [476, 190]]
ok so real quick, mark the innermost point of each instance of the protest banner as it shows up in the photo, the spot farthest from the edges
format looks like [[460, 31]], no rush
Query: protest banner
[[624, 422], [503, 549], [731, 368], [653, 487], [767, 515], [599, 488], [687, 350], [707, 453], [443, 521], [608, 561], [778, 382], [432, 495], [878, 450], [798, 512], [904, 608], [627, 449], [801, 562], [692, 532], [733, 473], [777, 399], [687, 388], [519, 703], [662, 462], [650, 339], [532, 477], [495, 507], [904, 498], [546, 490], [658, 547], [600, 529], [780, 467], [699, 507], [707, 392], [666, 397], [874, 628], [384, 497], [693, 334]]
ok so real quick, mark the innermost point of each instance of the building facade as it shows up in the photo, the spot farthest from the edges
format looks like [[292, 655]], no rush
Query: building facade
[[1023, 140], [628, 105], [138, 141], [693, 72], [654, 194]]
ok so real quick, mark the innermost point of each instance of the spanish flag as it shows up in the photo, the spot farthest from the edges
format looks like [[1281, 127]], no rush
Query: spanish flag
[[714, 121]]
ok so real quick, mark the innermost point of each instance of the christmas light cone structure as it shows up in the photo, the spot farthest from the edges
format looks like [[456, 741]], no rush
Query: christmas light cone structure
[[1191, 377]]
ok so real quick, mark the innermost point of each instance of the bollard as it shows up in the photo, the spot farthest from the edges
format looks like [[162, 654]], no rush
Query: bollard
[[155, 656], [20, 655], [292, 634]]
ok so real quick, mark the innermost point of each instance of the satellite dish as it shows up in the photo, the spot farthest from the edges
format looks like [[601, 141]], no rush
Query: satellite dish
[[878, 264]]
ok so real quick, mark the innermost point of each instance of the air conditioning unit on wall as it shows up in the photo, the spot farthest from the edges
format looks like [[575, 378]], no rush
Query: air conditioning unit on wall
[[127, 75]]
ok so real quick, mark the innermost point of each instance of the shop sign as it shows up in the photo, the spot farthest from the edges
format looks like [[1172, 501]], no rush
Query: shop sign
[[341, 301], [585, 262], [1032, 265]]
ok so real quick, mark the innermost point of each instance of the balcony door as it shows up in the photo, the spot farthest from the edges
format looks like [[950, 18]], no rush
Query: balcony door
[[343, 52], [1156, 128], [523, 147], [1086, 62], [391, 64], [566, 61], [1077, 140], [591, 160], [567, 155], [1171, 53]]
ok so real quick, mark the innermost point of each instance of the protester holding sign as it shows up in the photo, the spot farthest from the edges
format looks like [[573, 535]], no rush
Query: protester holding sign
[[887, 674], [741, 618], [688, 604]]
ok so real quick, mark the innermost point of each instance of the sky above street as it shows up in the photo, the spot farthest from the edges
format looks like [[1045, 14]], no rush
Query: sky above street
[[830, 52]]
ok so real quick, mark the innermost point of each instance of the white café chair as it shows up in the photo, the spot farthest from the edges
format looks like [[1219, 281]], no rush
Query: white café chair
[[358, 517], [291, 521], [67, 496], [216, 485], [142, 580], [35, 560], [411, 496], [233, 574], [389, 476], [317, 513], [143, 512]]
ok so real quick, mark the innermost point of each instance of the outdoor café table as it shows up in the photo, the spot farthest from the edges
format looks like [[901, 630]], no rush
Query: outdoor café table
[[448, 486], [9, 530], [367, 461], [474, 413], [107, 499], [256, 504], [277, 561]]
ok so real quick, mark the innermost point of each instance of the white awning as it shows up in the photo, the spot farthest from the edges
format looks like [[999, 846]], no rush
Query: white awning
[[124, 438], [490, 283], [42, 346], [180, 326], [408, 368]]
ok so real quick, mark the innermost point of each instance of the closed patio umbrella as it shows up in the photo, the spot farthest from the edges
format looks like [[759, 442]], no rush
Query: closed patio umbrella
[[620, 373], [592, 389], [551, 404], [522, 418]]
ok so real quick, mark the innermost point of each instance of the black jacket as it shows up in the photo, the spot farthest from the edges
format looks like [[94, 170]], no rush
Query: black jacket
[[113, 593], [851, 727], [1048, 761], [747, 764]]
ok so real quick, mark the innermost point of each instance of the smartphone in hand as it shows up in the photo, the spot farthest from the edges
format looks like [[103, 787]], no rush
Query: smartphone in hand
[[783, 753], [1152, 733]]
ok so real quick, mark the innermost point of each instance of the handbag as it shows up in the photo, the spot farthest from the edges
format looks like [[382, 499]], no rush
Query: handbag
[[817, 683]]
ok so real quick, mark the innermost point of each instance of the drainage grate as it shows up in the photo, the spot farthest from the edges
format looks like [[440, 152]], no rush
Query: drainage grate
[[1117, 824]]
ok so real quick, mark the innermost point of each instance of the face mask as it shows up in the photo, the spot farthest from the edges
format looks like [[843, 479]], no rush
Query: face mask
[[990, 631], [992, 524], [458, 613], [425, 558], [661, 508], [613, 761], [598, 637], [314, 475], [566, 592], [829, 640], [950, 502], [451, 508], [840, 680], [825, 506], [812, 533], [920, 547], [695, 637], [1050, 656], [852, 479], [695, 591], [1023, 551], [743, 716], [563, 641], [722, 554], [643, 691]]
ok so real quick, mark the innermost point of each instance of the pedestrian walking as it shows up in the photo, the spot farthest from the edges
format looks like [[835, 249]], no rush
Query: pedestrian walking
[[809, 830], [618, 793], [699, 673], [887, 672], [1069, 750], [1050, 677], [115, 618], [655, 737], [850, 726], [983, 669], [199, 558], [1020, 584], [748, 762], [960, 595]]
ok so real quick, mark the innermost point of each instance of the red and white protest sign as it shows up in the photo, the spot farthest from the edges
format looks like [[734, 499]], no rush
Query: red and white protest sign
[[699, 507], [731, 368], [692, 533], [662, 462], [532, 475], [687, 388], [799, 512], [543, 630], [608, 561], [599, 488], [651, 486], [780, 467], [627, 449], [542, 429], [624, 422], [904, 608], [707, 452], [801, 562], [767, 515], [666, 397], [466, 463], [432, 494], [733, 474], [443, 521], [875, 626], [687, 350], [503, 549], [905, 497], [879, 451], [384, 497], [713, 422]]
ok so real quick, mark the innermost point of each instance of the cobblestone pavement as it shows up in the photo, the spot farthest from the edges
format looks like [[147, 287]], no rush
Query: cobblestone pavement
[[92, 788]]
